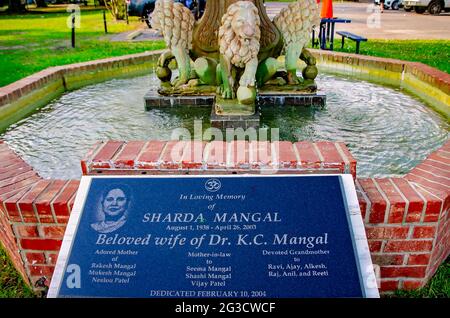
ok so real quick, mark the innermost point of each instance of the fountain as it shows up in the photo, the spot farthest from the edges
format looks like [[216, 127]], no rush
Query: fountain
[[387, 131], [232, 59]]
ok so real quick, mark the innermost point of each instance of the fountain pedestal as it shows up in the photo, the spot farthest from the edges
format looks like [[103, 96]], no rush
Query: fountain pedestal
[[238, 54], [236, 117]]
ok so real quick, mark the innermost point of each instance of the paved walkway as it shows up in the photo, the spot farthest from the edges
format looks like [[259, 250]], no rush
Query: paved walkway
[[366, 21]]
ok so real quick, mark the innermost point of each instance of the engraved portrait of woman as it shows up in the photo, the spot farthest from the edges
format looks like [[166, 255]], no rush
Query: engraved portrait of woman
[[112, 211]]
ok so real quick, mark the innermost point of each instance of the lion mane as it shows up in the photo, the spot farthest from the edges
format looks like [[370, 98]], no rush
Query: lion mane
[[296, 21], [176, 23], [233, 43]]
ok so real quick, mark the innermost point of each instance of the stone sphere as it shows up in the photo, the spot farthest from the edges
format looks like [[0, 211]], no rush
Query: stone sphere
[[164, 74]]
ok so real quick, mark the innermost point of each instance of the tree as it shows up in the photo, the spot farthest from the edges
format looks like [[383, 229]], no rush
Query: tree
[[117, 8], [16, 6], [40, 3]]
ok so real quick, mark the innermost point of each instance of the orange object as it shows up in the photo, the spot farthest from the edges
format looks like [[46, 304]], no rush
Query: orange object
[[327, 9]]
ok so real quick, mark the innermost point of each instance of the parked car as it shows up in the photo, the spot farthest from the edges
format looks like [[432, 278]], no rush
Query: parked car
[[434, 7], [143, 8], [391, 4]]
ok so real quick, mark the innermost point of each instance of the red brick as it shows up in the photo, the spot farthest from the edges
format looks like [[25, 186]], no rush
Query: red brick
[[440, 157], [5, 184], [397, 203], [35, 258], [362, 203], [27, 231], [8, 162], [408, 246], [149, 157], [62, 219], [54, 232], [41, 270], [41, 244], [239, 154], [375, 246], [102, 159], [217, 155], [438, 179], [433, 207], [286, 157], [387, 232], [26, 202], [446, 146], [416, 203], [424, 232], [308, 156], [413, 284], [26, 183], [193, 155], [403, 271], [419, 259], [172, 155], [331, 157], [432, 186], [378, 204], [261, 154], [59, 204], [85, 162], [6, 153], [126, 157], [349, 157], [71, 203], [19, 165], [42, 203], [389, 285], [11, 207], [52, 258], [430, 168], [14, 170], [436, 164], [387, 259]]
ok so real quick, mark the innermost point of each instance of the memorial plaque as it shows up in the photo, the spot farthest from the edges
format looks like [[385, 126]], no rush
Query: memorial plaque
[[215, 237]]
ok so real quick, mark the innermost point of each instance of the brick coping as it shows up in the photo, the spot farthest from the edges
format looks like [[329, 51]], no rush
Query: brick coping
[[13, 92], [198, 157], [426, 73]]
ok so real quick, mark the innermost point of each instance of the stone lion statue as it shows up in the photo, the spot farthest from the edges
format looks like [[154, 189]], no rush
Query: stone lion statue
[[296, 22], [239, 36], [176, 23]]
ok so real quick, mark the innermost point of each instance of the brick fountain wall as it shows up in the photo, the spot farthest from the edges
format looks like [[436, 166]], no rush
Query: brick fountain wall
[[406, 219]]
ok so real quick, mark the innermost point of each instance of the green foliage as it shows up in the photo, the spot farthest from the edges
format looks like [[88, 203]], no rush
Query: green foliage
[[11, 284], [438, 287], [32, 42]]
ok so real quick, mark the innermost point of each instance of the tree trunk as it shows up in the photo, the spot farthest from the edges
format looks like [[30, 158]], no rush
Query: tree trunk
[[16, 6], [41, 4]]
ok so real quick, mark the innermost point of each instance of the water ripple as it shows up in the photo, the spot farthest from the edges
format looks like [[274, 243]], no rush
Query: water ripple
[[387, 131]]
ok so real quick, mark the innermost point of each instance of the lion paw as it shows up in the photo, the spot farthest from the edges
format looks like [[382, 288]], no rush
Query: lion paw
[[292, 79], [180, 81], [227, 93], [246, 81]]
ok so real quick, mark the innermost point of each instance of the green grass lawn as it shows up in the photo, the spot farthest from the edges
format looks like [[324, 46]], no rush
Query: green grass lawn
[[435, 53], [41, 38], [438, 287], [35, 41], [11, 284]]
